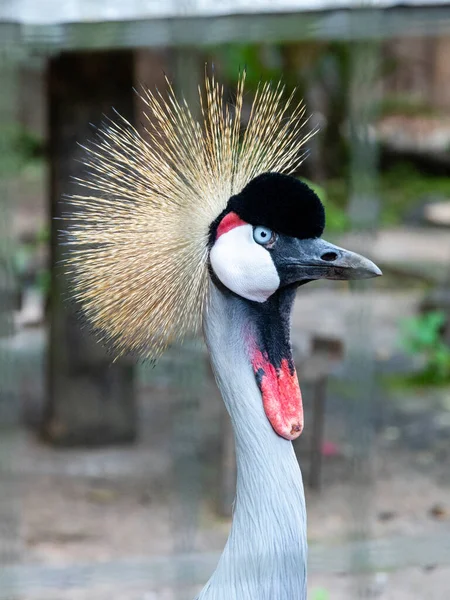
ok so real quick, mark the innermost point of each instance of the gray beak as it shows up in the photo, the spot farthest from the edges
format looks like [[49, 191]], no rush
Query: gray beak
[[304, 260]]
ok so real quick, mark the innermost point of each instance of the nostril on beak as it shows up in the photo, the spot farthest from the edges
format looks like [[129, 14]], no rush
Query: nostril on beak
[[329, 256]]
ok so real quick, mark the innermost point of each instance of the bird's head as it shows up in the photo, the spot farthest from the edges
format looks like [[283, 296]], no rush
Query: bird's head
[[264, 244], [192, 202], [269, 237]]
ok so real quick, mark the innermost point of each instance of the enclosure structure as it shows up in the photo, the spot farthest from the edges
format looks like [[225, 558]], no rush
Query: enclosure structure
[[85, 42]]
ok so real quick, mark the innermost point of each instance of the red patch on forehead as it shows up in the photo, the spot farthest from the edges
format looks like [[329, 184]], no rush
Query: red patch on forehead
[[230, 221]]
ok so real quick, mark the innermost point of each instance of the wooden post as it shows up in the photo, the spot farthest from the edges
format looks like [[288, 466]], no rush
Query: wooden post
[[300, 64], [364, 215], [318, 423], [90, 400], [11, 547], [441, 73]]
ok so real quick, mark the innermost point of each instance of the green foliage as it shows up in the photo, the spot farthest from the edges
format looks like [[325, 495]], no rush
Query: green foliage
[[405, 106], [320, 594], [9, 158], [44, 281], [43, 235], [20, 147], [337, 220], [400, 188], [318, 189], [23, 257], [422, 335], [403, 186], [261, 62]]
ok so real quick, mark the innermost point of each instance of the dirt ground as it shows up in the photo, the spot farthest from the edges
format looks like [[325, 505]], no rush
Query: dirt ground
[[112, 523], [142, 522]]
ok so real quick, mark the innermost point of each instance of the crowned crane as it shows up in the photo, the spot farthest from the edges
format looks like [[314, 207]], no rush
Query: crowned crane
[[202, 226]]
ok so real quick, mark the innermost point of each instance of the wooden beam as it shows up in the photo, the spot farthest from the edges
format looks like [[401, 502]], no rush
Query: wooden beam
[[10, 434], [366, 23], [90, 401]]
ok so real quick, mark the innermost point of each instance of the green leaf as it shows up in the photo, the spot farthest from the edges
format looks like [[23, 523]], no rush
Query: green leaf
[[318, 189], [421, 335], [320, 594]]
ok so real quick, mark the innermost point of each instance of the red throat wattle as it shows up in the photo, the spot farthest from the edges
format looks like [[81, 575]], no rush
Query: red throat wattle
[[281, 396]]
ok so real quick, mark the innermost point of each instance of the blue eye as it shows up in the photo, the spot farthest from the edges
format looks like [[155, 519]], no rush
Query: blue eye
[[262, 235]]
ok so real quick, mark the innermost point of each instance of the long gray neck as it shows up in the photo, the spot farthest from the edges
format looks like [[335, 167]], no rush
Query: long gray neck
[[265, 556]]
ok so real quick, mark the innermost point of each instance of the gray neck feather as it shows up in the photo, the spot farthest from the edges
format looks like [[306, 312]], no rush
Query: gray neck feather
[[266, 552]]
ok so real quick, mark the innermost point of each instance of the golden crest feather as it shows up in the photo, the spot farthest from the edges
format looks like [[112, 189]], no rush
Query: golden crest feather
[[138, 238]]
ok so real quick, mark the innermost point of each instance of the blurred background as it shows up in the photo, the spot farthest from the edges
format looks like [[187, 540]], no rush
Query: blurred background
[[116, 481]]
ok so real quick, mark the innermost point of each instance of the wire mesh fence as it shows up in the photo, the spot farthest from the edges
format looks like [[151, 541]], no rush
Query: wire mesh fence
[[149, 520]]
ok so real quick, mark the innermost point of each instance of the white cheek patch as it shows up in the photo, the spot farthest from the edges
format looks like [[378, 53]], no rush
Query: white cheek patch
[[243, 266]]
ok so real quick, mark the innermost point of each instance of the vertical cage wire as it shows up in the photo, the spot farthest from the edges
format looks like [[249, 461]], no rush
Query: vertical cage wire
[[364, 208], [10, 534]]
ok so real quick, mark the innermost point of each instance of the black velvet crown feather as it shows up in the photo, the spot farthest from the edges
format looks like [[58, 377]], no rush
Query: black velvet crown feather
[[282, 203]]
